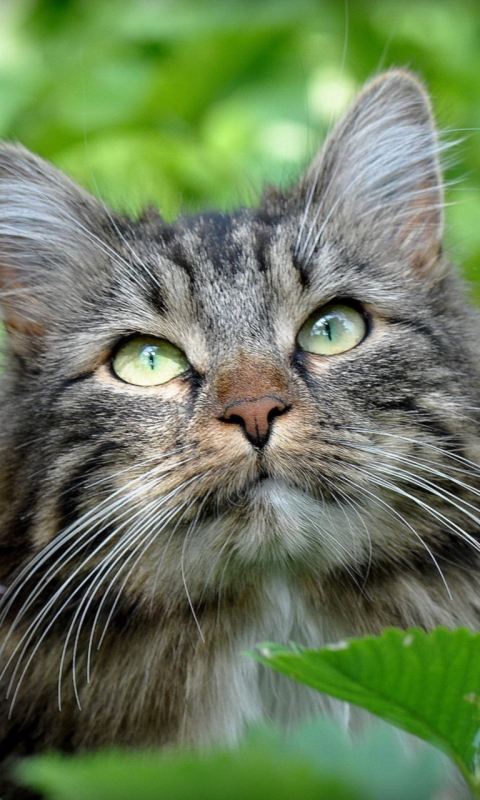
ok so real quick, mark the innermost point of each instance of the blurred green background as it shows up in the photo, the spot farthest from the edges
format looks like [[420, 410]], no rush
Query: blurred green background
[[190, 103]]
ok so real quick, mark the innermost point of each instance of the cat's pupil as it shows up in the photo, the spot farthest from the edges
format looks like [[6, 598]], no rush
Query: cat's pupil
[[323, 327], [150, 353]]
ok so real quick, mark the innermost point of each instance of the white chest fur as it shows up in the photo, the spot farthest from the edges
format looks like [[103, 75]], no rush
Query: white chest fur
[[243, 692]]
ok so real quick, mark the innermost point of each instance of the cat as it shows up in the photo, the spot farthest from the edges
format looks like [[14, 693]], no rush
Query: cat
[[261, 425]]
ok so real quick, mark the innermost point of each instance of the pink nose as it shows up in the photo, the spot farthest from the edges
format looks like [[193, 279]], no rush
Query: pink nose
[[255, 416]]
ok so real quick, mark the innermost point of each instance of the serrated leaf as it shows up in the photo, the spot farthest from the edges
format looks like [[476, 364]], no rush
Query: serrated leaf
[[426, 683]]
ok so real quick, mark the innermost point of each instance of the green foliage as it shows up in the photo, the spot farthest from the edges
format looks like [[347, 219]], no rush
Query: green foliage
[[427, 684], [189, 103], [316, 762]]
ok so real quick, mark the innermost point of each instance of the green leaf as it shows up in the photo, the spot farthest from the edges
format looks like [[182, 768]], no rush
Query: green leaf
[[260, 772], [427, 684], [317, 760]]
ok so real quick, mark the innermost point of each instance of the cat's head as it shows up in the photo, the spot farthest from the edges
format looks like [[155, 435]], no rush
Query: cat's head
[[190, 406]]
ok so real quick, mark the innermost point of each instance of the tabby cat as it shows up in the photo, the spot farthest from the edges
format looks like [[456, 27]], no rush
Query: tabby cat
[[240, 427]]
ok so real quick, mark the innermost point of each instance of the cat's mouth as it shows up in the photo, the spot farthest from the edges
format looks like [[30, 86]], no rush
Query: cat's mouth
[[263, 476]]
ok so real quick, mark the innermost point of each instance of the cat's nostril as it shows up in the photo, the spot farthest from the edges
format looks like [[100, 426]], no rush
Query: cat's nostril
[[276, 411], [255, 416]]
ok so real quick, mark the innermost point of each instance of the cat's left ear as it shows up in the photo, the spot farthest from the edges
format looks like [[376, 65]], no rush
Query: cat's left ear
[[376, 186]]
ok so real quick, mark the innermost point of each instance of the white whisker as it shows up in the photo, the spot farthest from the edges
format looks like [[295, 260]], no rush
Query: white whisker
[[393, 512]]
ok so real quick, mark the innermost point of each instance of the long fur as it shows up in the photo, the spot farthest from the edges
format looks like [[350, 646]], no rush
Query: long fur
[[145, 541]]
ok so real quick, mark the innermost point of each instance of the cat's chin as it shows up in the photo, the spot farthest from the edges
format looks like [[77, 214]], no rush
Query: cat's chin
[[277, 522]]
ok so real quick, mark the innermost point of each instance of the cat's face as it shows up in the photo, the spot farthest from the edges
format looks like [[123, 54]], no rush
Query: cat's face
[[308, 374]]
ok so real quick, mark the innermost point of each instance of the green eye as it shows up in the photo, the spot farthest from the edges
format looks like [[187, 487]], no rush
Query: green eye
[[147, 361], [333, 329]]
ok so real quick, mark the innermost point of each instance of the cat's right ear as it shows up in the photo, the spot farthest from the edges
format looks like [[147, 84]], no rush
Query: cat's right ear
[[47, 244]]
